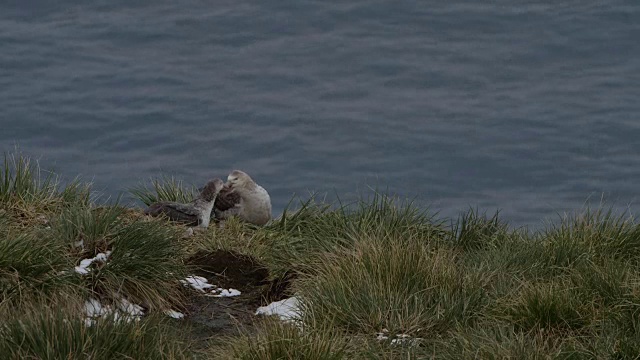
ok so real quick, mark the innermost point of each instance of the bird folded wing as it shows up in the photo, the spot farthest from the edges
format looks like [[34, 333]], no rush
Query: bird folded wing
[[226, 200], [183, 213]]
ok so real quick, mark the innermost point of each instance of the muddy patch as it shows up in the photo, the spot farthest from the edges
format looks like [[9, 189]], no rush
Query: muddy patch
[[212, 317], [229, 268]]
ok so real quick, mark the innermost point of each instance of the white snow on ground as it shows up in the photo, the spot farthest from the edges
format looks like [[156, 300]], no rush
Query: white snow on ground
[[129, 308], [197, 282], [126, 311], [174, 314], [102, 256], [286, 310], [83, 268], [202, 284], [383, 335], [220, 292], [401, 339], [94, 308]]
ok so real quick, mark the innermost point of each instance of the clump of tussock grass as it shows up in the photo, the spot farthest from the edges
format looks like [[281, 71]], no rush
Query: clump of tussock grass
[[619, 338], [297, 237], [380, 215], [29, 193], [551, 306], [167, 188], [84, 227], [276, 340], [234, 235], [593, 234], [474, 231], [145, 263], [503, 341], [21, 179], [399, 285], [609, 283], [588, 237], [29, 268], [57, 333]]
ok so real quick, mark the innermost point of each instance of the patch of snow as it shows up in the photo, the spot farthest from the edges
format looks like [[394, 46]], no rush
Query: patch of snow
[[94, 308], [129, 308], [404, 339], [286, 310], [126, 311], [85, 263], [80, 270], [174, 314], [202, 284], [220, 292], [118, 316], [383, 335], [197, 282], [102, 257]]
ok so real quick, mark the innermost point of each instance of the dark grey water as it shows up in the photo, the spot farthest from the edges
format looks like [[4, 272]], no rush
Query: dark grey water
[[526, 106]]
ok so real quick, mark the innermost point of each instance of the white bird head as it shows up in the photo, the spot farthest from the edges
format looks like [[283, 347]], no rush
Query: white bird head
[[238, 178]]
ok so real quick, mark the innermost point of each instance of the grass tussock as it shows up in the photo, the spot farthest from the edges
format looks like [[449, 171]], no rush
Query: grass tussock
[[593, 234], [146, 264], [41, 248], [552, 307], [284, 341], [31, 268], [29, 195], [166, 188], [60, 334], [401, 286], [473, 231], [503, 341], [298, 237], [145, 259]]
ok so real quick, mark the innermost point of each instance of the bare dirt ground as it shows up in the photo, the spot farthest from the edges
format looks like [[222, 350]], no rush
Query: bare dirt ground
[[211, 317]]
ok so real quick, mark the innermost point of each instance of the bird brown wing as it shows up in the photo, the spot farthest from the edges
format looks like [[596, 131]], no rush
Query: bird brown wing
[[182, 213], [226, 199]]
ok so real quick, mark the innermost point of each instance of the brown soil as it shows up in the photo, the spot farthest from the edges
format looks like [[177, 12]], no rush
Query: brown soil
[[211, 317]]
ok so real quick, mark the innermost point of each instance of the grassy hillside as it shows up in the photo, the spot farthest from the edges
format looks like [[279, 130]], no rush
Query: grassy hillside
[[377, 279]]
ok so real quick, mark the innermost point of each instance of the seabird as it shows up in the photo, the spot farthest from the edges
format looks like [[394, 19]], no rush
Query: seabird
[[196, 213], [242, 197]]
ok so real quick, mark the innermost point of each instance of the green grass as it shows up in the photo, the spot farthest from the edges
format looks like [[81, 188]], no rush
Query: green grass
[[473, 231], [145, 263], [60, 334], [464, 288], [166, 188], [29, 195], [282, 341], [29, 268], [553, 306], [397, 285], [45, 231], [299, 236]]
